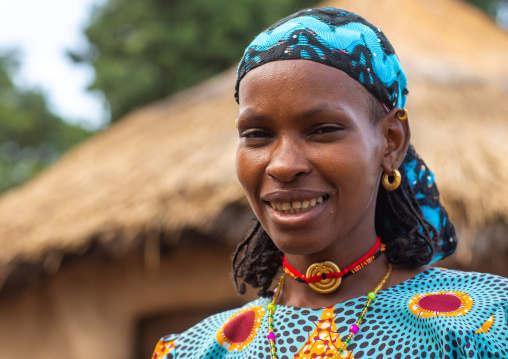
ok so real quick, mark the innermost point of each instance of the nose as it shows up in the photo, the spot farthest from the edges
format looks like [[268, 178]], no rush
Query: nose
[[288, 161]]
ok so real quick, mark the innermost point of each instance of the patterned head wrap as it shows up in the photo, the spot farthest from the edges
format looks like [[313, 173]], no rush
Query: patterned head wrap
[[336, 38], [346, 41]]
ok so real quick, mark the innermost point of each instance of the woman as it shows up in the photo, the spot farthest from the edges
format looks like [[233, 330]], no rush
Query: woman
[[348, 214]]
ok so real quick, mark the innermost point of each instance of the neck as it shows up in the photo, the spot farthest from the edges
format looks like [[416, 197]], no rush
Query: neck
[[329, 272], [302, 295], [343, 253]]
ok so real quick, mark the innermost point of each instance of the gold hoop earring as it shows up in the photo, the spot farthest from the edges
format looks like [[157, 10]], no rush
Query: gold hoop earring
[[396, 181], [236, 122], [402, 117]]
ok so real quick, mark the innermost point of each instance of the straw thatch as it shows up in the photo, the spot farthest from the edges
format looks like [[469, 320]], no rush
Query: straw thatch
[[169, 167]]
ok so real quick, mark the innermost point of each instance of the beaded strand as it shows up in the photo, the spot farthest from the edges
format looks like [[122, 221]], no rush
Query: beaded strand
[[367, 261], [371, 297], [342, 351], [373, 253], [271, 309], [350, 272]]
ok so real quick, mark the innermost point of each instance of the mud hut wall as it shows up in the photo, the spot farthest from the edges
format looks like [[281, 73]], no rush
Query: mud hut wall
[[131, 176], [91, 309]]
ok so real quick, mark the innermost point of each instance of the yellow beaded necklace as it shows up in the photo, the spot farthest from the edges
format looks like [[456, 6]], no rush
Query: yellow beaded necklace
[[342, 351]]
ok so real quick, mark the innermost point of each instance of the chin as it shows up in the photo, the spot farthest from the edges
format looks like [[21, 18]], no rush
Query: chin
[[294, 245]]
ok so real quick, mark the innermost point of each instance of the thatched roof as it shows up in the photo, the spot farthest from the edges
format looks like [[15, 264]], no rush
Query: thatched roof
[[169, 166]]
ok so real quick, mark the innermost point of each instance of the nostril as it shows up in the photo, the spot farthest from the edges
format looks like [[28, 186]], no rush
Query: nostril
[[285, 174], [285, 178], [288, 162]]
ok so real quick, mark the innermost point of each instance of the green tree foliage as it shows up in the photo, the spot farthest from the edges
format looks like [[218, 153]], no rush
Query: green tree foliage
[[31, 137], [498, 9], [482, 4], [144, 50]]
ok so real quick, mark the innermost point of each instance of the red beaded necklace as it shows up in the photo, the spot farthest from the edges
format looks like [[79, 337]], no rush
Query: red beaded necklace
[[342, 351], [325, 277]]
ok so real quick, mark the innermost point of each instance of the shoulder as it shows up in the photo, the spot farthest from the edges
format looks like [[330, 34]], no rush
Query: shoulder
[[485, 291], [451, 295], [211, 337], [442, 278], [447, 293], [470, 281], [457, 312]]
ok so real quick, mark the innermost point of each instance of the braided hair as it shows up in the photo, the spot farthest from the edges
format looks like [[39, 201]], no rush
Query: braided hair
[[409, 238], [412, 237], [409, 241]]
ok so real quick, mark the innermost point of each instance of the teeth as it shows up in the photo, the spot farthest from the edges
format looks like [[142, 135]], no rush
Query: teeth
[[295, 206]]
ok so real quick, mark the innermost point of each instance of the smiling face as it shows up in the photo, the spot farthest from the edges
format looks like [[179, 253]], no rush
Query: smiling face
[[309, 156]]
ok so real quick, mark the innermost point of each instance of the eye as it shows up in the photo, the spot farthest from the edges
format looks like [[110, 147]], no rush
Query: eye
[[254, 133], [326, 129]]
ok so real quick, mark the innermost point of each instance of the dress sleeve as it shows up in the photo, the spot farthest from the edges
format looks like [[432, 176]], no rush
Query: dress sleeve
[[165, 348], [491, 339]]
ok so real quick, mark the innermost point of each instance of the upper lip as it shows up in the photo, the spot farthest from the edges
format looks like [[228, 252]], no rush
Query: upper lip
[[292, 195]]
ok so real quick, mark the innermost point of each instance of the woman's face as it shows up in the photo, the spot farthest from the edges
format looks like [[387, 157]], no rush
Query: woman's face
[[309, 157]]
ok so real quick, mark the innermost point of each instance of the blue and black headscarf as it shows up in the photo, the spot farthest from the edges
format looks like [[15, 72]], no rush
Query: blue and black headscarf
[[347, 42]]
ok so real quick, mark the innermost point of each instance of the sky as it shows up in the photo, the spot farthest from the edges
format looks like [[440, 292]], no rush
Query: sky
[[43, 30]]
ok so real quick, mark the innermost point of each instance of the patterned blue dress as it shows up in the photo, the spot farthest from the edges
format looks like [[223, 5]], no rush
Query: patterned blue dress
[[439, 313]]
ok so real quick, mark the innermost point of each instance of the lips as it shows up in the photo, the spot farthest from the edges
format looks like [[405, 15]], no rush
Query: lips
[[293, 207]]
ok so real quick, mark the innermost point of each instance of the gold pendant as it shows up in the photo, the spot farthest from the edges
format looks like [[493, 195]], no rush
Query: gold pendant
[[324, 286]]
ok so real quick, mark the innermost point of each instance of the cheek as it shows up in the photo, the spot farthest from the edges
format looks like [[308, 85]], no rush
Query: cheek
[[366, 173], [353, 170], [248, 172], [241, 167], [368, 154]]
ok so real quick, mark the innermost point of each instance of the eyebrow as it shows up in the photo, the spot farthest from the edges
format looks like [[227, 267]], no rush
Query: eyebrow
[[313, 111], [249, 114], [323, 107]]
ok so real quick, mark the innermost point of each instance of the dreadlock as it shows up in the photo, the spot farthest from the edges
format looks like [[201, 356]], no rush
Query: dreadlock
[[409, 238], [364, 53], [260, 261]]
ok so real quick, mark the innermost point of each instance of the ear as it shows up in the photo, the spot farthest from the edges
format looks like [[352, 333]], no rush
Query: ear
[[397, 135]]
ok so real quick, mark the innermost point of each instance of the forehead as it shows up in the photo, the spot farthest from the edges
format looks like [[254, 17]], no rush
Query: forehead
[[300, 82]]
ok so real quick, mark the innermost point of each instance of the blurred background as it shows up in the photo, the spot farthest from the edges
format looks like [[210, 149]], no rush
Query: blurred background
[[119, 204]]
